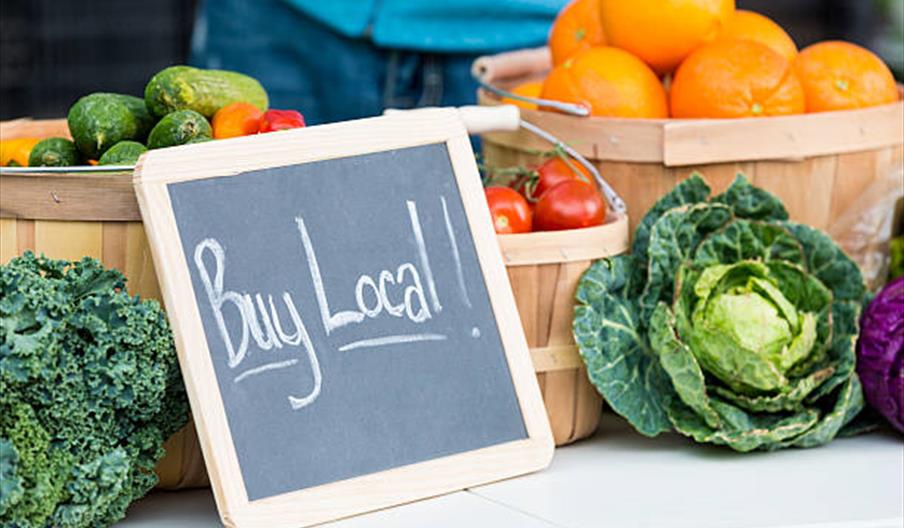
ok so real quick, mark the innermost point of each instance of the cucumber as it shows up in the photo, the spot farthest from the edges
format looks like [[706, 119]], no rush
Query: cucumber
[[178, 128], [100, 120], [53, 152], [204, 91], [123, 153]]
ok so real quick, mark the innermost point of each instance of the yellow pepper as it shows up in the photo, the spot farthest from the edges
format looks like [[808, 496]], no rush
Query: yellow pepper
[[15, 151]]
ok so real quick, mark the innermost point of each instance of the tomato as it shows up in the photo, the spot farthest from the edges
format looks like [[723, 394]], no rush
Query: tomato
[[572, 204], [510, 211], [552, 172]]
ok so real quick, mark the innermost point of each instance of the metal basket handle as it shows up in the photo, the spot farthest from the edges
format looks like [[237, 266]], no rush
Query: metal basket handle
[[480, 119], [490, 69]]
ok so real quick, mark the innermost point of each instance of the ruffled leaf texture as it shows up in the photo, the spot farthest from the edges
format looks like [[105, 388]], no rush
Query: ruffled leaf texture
[[89, 390], [667, 356]]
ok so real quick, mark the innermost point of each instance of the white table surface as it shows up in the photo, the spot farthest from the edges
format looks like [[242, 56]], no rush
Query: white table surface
[[620, 479]]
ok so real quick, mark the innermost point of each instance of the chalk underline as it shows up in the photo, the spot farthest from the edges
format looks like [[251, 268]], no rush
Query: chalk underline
[[391, 340], [364, 343], [265, 368]]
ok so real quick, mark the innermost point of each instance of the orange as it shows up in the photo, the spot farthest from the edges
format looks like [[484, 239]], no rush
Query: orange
[[735, 78], [609, 81], [577, 28], [663, 32], [235, 119], [528, 89], [747, 25], [840, 75]]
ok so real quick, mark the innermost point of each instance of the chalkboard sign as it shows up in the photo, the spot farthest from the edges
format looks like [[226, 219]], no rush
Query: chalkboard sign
[[345, 327]]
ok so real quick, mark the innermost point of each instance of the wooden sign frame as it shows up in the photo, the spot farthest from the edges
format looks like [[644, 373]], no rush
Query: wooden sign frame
[[365, 493]]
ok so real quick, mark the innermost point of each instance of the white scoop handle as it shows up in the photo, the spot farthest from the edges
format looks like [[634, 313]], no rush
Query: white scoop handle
[[481, 119]]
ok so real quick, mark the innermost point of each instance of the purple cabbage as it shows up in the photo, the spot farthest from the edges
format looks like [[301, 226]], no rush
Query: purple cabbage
[[880, 355]]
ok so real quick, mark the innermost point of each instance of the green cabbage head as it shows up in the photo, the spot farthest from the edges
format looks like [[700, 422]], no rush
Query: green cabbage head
[[726, 323]]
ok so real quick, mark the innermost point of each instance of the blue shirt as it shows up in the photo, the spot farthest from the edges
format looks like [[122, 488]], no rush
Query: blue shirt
[[451, 26]]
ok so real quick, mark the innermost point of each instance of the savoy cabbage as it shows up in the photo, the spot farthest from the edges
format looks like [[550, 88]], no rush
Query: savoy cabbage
[[726, 322]]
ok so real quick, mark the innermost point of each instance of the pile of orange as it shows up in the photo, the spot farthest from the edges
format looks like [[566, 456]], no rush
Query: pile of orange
[[700, 59]]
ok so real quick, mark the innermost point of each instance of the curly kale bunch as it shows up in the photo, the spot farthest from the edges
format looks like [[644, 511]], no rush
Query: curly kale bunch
[[726, 323], [89, 391]]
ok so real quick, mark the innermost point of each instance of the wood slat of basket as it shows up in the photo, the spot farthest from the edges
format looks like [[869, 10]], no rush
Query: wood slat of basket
[[697, 141], [560, 357], [560, 371], [40, 128], [8, 235], [794, 184], [639, 184], [544, 269], [69, 240], [855, 171], [122, 245], [547, 247], [183, 466], [683, 142], [97, 197], [87, 197]]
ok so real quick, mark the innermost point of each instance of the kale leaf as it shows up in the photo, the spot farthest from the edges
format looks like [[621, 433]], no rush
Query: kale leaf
[[89, 391]]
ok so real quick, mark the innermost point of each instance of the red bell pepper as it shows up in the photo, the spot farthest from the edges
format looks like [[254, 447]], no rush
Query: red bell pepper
[[274, 120]]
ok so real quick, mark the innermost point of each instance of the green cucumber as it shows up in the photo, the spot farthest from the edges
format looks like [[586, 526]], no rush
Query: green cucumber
[[100, 120], [179, 128], [53, 152], [123, 153], [204, 91]]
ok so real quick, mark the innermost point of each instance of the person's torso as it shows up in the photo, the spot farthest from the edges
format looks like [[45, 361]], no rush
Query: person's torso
[[441, 26]]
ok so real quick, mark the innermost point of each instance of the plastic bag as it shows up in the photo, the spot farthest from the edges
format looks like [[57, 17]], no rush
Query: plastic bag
[[865, 229]]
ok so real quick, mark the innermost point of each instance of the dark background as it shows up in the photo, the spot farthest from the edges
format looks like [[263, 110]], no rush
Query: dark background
[[52, 52]]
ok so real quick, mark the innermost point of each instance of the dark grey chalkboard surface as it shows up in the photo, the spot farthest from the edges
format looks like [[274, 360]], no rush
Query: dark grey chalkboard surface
[[383, 353]]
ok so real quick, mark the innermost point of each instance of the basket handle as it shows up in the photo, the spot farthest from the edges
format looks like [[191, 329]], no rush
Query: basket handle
[[512, 64], [489, 69], [616, 203], [481, 119]]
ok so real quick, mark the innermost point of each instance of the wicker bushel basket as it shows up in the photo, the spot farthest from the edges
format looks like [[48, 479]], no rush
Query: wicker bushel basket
[[544, 269], [818, 164], [69, 216]]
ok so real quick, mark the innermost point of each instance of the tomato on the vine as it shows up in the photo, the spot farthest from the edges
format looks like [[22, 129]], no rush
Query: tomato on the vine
[[552, 172], [572, 204], [510, 211]]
